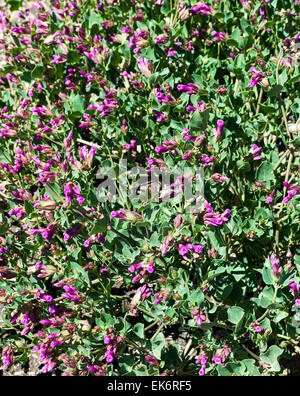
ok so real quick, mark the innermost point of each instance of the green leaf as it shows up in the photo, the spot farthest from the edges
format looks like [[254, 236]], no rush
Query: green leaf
[[100, 226], [235, 314], [15, 4], [293, 79], [275, 90], [214, 274], [77, 103], [165, 7], [38, 72], [157, 345], [199, 120], [297, 262], [283, 77], [251, 368], [137, 333], [154, 78], [28, 207], [172, 354], [231, 369], [54, 192], [271, 357], [296, 143], [267, 276], [128, 253], [214, 239], [236, 36], [94, 19], [243, 166], [197, 297], [265, 172], [280, 315], [105, 320], [78, 269], [266, 297], [155, 240], [126, 363]]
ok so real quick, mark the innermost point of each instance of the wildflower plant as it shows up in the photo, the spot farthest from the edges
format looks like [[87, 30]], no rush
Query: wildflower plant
[[105, 281]]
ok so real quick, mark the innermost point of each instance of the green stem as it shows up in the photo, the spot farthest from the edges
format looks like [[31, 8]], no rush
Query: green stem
[[268, 310]]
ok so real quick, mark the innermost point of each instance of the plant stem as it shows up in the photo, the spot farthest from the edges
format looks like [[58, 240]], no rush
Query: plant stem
[[282, 203], [281, 159], [158, 331], [259, 101], [281, 100]]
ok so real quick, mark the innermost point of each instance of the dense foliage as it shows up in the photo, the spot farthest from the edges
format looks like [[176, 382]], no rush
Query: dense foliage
[[128, 286]]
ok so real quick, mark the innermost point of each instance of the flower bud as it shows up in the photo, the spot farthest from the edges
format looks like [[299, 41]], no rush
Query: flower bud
[[48, 204], [264, 83], [199, 140], [178, 221]]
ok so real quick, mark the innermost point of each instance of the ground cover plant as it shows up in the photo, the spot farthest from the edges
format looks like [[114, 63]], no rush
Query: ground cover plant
[[98, 282]]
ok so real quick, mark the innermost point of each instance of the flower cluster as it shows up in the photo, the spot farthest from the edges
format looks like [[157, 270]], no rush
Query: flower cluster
[[144, 268], [292, 191], [112, 343], [220, 357]]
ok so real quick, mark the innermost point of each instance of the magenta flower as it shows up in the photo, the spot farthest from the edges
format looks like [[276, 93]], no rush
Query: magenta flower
[[19, 213], [217, 359], [275, 264], [202, 8], [218, 178], [198, 316], [161, 39], [190, 89], [208, 161], [171, 53], [152, 360], [72, 191], [257, 77], [183, 250], [47, 298], [160, 117], [218, 36], [197, 248], [218, 131], [60, 58], [222, 91], [202, 371], [255, 150], [258, 329], [292, 191], [87, 156], [269, 197]]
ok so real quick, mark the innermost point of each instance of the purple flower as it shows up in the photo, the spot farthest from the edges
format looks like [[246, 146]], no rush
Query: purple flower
[[183, 250], [198, 248], [218, 36], [255, 150], [258, 329], [47, 298], [202, 8], [202, 371], [190, 89], [171, 53]]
